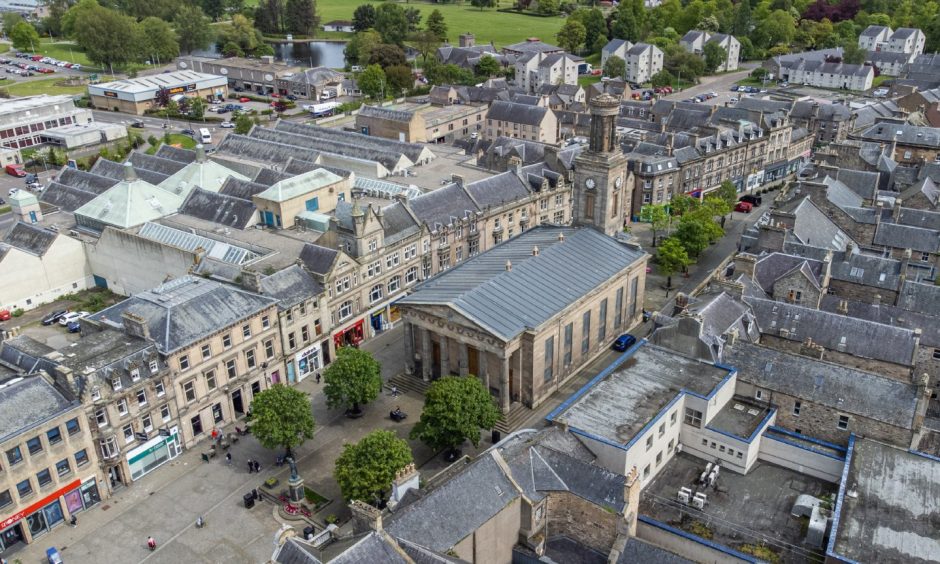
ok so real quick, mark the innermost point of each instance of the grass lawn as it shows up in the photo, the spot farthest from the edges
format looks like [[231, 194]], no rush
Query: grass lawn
[[63, 51], [587, 80], [45, 86], [488, 25], [879, 80], [176, 140], [4, 47]]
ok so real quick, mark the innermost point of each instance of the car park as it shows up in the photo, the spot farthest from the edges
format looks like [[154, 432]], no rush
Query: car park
[[74, 326], [743, 207], [623, 342], [54, 317]]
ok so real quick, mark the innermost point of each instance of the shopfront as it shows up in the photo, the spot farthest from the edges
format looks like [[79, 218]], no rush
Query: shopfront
[[308, 361], [351, 335], [154, 453], [45, 514]]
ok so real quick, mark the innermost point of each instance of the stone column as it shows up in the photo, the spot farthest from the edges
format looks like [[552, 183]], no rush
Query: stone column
[[445, 355], [409, 348], [425, 354], [483, 373], [463, 364], [504, 400]]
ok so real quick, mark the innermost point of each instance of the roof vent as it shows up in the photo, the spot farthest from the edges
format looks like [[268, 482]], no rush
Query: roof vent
[[535, 251], [561, 237], [130, 174], [508, 265], [200, 153]]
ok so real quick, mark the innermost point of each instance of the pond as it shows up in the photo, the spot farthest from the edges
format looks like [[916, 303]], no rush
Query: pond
[[305, 54]]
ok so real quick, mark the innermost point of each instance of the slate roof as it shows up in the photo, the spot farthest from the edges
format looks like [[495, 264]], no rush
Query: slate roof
[[111, 169], [811, 226], [905, 134], [517, 113], [389, 159], [532, 46], [906, 237], [378, 145], [154, 163], [439, 206], [34, 240], [927, 321], [480, 492], [261, 151], [615, 44], [845, 389], [920, 218], [915, 296], [176, 153], [242, 189], [85, 181], [507, 302], [497, 190], [637, 551], [290, 286], [874, 31], [317, 259], [26, 353], [26, 404], [219, 208], [858, 338], [398, 223], [185, 310]]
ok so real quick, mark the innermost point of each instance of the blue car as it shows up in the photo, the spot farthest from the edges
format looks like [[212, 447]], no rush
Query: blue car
[[623, 342], [74, 327]]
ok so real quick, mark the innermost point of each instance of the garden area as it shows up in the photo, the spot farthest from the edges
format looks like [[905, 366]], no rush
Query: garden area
[[49, 86], [173, 139]]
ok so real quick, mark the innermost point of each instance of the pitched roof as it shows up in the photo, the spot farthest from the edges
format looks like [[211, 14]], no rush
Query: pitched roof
[[299, 185], [262, 151], [185, 310], [219, 208], [243, 189], [130, 202], [506, 302], [812, 226], [317, 259], [28, 403], [439, 206], [845, 389], [498, 189], [517, 113], [111, 169], [290, 286], [907, 237], [30, 238]]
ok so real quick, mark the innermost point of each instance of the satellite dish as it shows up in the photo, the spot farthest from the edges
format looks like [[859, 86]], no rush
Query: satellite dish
[[223, 71], [269, 77], [183, 65]]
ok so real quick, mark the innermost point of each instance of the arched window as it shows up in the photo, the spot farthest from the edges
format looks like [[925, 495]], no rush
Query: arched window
[[345, 310], [394, 285], [411, 276], [376, 293]]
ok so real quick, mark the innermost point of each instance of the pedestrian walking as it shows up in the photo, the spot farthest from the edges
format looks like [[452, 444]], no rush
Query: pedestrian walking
[[228, 458], [251, 466], [257, 467], [318, 377]]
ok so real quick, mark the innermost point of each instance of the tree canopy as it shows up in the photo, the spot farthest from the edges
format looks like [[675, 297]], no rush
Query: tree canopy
[[365, 470], [615, 67], [354, 378], [281, 416], [671, 257], [455, 410], [436, 25], [192, 29], [24, 36], [571, 36]]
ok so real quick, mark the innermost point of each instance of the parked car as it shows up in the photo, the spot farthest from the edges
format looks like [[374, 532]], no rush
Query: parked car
[[743, 207], [74, 326], [138, 124], [623, 342], [753, 200], [227, 125], [15, 170], [72, 316], [291, 97], [244, 99], [189, 132], [54, 317], [5, 315]]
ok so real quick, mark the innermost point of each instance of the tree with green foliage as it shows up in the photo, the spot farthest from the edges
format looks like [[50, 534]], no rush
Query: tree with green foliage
[[595, 27], [760, 73], [270, 16], [392, 23], [197, 108], [728, 192], [354, 378], [52, 23], [413, 17], [399, 78], [853, 54], [192, 29], [682, 204], [106, 36], [693, 234], [455, 410], [436, 25], [386, 55], [625, 24], [659, 219], [159, 41], [364, 17], [213, 8], [742, 19], [615, 67], [671, 257], [426, 42], [717, 206], [281, 416], [10, 19], [243, 124], [364, 471], [481, 4], [662, 78], [437, 73], [777, 28], [241, 33], [301, 17], [487, 67], [715, 56], [682, 63], [359, 49], [24, 36], [547, 7], [571, 36]]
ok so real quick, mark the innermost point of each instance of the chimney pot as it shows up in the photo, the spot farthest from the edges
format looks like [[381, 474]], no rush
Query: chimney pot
[[535, 251], [508, 265]]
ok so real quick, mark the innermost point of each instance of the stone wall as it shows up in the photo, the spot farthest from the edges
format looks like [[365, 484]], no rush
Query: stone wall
[[582, 520], [887, 369]]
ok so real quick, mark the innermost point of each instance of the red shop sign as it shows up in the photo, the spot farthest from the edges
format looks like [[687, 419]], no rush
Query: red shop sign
[[39, 504]]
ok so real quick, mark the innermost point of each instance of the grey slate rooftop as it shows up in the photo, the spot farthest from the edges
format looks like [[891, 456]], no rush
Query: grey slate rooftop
[[927, 321], [261, 151], [185, 310], [506, 302], [24, 405], [849, 390], [316, 145], [637, 551], [890, 508], [616, 407], [517, 113], [414, 151], [223, 209], [290, 286], [30, 238]]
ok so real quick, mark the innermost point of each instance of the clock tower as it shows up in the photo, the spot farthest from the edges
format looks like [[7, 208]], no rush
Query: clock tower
[[600, 194]]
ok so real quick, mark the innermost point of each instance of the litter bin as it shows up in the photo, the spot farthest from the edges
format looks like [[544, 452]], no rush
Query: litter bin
[[496, 436], [308, 533], [249, 499]]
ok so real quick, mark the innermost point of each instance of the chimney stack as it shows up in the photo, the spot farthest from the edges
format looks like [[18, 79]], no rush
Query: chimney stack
[[365, 517], [681, 304], [135, 325], [843, 307], [896, 212], [811, 349], [561, 236], [251, 280], [457, 179], [515, 165], [535, 251]]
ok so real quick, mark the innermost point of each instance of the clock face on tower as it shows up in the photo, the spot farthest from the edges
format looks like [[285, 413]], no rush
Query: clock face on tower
[[618, 182], [590, 183]]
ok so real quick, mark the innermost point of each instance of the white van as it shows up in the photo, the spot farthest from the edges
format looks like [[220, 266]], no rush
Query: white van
[[205, 136]]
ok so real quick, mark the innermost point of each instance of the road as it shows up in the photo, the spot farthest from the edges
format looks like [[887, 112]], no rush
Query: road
[[720, 84]]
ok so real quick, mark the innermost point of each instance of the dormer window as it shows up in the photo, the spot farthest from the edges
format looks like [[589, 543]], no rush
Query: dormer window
[[135, 374], [154, 366], [95, 394], [116, 384]]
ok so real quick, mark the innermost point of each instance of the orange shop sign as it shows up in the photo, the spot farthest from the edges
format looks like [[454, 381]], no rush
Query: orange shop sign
[[39, 504]]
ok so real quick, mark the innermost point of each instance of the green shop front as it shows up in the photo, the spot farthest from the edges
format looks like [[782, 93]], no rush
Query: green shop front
[[153, 453]]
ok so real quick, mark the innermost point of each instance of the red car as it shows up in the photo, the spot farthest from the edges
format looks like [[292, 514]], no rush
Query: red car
[[243, 100], [275, 95], [743, 207], [15, 170]]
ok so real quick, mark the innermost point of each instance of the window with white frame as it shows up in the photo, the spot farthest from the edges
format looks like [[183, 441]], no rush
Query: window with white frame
[[116, 383], [342, 284], [411, 251], [128, 431], [206, 351], [411, 275], [345, 310], [122, 407], [135, 374], [147, 423], [165, 412], [375, 294], [246, 331], [374, 269], [391, 261], [101, 417], [158, 388], [394, 284], [373, 245], [154, 366], [141, 397]]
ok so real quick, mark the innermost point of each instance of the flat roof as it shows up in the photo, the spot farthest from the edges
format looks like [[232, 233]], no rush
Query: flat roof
[[14, 105], [739, 417], [744, 509], [890, 508], [615, 406], [155, 82]]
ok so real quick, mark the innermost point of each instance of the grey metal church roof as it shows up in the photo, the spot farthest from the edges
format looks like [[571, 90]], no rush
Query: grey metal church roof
[[507, 302]]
